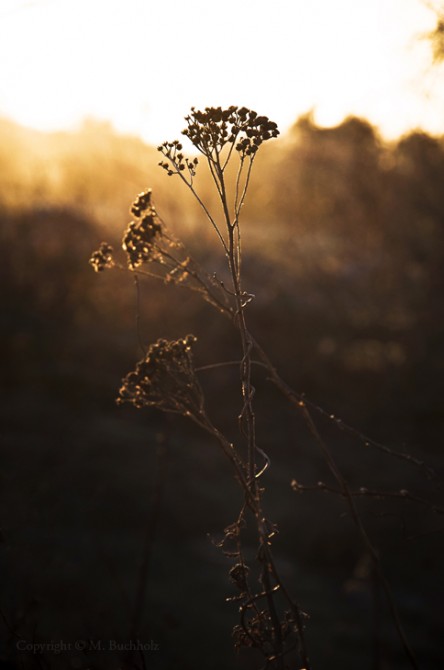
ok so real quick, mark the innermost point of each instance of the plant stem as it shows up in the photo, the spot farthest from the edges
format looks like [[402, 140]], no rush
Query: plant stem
[[345, 489]]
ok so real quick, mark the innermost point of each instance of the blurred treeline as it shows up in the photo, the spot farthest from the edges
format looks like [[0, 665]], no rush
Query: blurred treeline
[[344, 250], [343, 239]]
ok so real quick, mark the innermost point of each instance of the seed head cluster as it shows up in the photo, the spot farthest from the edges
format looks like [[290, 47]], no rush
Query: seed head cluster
[[140, 235], [165, 379], [102, 258], [173, 152], [215, 127]]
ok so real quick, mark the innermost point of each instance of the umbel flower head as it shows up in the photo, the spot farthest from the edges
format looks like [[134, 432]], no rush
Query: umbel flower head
[[214, 127], [139, 237], [165, 379]]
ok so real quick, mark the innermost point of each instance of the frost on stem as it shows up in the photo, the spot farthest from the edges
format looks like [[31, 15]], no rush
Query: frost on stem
[[165, 379]]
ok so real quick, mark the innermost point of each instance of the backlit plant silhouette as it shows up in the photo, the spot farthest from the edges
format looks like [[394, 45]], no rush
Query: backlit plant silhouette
[[270, 618]]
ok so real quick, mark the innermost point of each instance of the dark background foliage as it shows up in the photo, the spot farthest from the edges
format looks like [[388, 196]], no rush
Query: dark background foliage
[[344, 251]]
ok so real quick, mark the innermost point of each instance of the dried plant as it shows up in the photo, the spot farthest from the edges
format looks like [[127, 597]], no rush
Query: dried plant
[[270, 618]]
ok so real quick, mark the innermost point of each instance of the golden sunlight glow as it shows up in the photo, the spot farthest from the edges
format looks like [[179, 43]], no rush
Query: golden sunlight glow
[[142, 65]]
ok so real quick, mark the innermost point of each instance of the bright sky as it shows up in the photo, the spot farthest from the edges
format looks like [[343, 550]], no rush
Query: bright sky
[[143, 64]]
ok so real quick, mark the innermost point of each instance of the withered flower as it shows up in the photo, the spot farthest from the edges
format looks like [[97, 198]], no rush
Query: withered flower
[[139, 237], [102, 259], [165, 379]]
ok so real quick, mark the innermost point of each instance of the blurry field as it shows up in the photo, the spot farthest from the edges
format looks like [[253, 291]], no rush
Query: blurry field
[[344, 250]]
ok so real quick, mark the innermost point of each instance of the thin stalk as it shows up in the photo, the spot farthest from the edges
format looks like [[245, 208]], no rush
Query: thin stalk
[[246, 472], [364, 535], [244, 192], [247, 391], [178, 265], [232, 145], [278, 645], [296, 610], [208, 296], [189, 184], [236, 216], [204, 422], [343, 485], [212, 164], [237, 187]]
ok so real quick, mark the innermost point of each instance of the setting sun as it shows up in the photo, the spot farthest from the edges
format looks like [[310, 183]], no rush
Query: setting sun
[[142, 65]]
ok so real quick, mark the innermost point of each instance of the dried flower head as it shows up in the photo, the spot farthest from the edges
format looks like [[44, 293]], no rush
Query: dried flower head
[[215, 127], [139, 237], [173, 152], [165, 379], [102, 258], [142, 203]]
